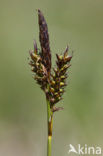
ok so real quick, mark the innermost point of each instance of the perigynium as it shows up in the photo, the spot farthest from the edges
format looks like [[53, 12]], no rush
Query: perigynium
[[52, 82]]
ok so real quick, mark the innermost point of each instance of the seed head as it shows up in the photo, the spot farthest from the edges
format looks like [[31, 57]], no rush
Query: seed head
[[58, 81], [54, 83]]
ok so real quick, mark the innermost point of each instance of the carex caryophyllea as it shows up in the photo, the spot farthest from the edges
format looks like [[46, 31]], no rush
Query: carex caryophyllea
[[52, 82]]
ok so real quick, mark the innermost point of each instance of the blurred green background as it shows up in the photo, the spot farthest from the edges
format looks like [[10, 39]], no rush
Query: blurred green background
[[23, 125]]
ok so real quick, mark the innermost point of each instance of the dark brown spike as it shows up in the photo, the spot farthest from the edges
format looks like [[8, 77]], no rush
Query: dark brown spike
[[44, 42]]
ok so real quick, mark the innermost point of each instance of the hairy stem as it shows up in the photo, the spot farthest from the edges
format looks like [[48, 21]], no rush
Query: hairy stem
[[50, 124]]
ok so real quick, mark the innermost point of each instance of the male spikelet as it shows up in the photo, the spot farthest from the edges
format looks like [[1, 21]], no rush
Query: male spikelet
[[53, 84]]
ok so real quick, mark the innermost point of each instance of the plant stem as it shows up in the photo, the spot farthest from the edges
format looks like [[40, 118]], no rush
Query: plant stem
[[50, 124], [49, 146]]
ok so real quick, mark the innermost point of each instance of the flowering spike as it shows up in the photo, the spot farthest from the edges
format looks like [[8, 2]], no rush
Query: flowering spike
[[52, 84], [44, 41]]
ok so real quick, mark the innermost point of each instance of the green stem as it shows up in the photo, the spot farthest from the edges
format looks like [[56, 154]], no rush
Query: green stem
[[50, 124], [49, 146]]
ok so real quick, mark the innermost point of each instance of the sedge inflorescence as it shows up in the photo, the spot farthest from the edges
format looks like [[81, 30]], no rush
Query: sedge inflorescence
[[51, 82]]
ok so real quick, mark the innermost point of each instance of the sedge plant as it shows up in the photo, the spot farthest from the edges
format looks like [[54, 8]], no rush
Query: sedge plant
[[52, 82]]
